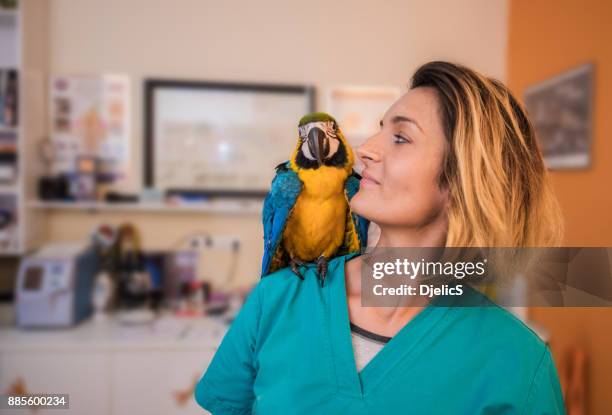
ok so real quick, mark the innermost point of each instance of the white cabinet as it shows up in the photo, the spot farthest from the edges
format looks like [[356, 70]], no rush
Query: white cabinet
[[157, 383], [109, 369], [83, 376]]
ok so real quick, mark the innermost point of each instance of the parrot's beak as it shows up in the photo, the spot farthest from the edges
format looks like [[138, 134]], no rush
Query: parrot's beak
[[318, 144]]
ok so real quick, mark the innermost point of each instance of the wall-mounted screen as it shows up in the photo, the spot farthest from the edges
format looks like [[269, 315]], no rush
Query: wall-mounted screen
[[219, 139]]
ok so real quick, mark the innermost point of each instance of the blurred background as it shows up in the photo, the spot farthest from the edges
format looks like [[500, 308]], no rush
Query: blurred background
[[137, 138]]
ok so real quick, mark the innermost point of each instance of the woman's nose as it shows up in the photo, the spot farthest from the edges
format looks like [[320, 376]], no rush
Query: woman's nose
[[367, 152]]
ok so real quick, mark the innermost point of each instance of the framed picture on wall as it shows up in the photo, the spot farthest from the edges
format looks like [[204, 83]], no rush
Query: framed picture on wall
[[219, 139], [561, 109]]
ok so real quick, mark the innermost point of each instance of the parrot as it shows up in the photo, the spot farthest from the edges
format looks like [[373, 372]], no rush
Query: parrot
[[306, 214]]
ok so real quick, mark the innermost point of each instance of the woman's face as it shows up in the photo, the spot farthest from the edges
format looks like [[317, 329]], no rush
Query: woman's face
[[402, 163]]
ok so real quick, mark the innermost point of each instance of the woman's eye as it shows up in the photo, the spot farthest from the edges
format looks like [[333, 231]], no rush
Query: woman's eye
[[399, 139]]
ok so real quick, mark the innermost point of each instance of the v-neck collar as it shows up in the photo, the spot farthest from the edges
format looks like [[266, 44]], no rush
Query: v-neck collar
[[360, 384]]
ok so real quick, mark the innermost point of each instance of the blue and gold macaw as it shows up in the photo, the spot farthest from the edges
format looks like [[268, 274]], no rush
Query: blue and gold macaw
[[306, 214]]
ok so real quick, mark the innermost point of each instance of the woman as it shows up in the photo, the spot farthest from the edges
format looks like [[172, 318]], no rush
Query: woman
[[455, 163]]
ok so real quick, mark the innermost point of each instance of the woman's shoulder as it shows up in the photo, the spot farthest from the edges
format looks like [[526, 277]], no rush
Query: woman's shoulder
[[505, 346], [283, 283], [494, 317], [515, 345]]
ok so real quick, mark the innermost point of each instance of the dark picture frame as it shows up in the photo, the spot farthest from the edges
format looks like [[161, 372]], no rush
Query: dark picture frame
[[252, 91], [561, 109]]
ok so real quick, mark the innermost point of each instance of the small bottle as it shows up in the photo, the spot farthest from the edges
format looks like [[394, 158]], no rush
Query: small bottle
[[10, 100], [102, 295]]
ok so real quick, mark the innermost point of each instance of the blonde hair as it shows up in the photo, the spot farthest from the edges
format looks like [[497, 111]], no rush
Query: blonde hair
[[499, 188]]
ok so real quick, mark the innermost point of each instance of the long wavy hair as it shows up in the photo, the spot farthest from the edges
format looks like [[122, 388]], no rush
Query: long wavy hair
[[499, 188]]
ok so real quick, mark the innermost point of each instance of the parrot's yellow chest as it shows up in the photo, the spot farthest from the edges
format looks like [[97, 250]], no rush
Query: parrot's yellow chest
[[317, 222]]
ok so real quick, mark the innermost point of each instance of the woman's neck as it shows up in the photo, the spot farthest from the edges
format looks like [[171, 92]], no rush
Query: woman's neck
[[388, 320], [432, 234]]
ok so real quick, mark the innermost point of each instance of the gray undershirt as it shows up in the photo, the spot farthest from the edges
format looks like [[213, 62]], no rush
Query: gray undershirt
[[365, 345]]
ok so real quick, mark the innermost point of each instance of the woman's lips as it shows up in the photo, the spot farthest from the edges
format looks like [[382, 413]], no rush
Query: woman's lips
[[367, 180]]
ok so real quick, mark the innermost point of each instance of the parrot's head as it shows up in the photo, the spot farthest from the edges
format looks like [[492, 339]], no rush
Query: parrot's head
[[321, 143]]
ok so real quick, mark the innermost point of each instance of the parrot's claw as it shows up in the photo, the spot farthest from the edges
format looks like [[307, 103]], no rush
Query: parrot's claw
[[294, 267], [322, 268]]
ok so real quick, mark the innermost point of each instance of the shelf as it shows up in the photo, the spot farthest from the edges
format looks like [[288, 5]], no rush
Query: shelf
[[4, 129], [8, 15], [23, 31], [9, 253], [8, 188], [235, 207]]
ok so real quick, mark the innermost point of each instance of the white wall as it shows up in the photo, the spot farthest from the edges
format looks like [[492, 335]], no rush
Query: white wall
[[317, 42]]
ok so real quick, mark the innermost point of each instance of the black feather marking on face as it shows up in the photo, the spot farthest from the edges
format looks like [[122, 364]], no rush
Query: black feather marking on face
[[304, 162], [337, 160], [281, 167]]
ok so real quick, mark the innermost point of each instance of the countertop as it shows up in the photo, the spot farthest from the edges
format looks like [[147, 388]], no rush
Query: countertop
[[165, 332]]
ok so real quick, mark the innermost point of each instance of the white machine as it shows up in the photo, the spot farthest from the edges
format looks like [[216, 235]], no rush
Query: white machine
[[54, 286]]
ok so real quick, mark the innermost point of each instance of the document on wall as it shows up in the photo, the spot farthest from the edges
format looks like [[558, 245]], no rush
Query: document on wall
[[90, 116]]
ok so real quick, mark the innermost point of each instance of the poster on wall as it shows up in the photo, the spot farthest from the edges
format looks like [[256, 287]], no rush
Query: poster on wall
[[359, 109], [561, 111], [90, 117]]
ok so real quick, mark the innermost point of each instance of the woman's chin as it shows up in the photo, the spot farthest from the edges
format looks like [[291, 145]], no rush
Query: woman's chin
[[363, 204]]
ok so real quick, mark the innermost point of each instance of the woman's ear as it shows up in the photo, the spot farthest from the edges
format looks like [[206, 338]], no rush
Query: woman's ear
[[444, 189], [446, 196]]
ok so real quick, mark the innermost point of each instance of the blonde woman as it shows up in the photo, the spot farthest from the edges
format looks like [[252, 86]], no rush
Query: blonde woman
[[455, 163]]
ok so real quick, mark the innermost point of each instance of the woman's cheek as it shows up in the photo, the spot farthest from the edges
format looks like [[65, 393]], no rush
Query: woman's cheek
[[411, 203]]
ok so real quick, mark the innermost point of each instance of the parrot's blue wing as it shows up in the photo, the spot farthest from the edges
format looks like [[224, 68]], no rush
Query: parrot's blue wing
[[285, 189], [351, 187]]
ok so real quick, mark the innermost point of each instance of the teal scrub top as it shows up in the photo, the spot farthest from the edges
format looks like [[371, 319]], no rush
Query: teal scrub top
[[289, 351]]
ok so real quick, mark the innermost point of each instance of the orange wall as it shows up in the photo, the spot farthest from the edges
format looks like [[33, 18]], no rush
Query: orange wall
[[545, 39]]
